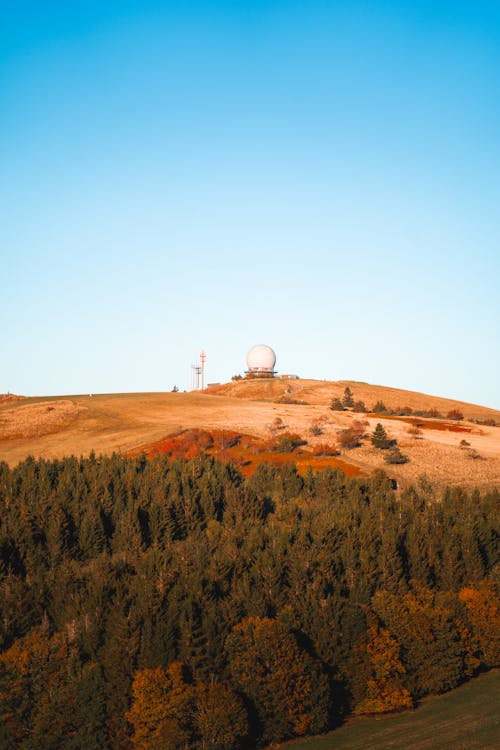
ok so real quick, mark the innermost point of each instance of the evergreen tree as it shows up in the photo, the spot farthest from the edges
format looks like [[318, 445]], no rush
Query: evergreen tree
[[89, 733], [347, 399], [379, 437]]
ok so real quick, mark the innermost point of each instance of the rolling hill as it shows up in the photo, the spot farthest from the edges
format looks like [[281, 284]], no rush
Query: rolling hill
[[126, 423]]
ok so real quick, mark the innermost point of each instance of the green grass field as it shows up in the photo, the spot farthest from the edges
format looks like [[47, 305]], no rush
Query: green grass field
[[467, 718]]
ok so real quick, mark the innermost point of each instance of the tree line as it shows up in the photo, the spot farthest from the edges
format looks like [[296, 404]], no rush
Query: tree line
[[176, 604]]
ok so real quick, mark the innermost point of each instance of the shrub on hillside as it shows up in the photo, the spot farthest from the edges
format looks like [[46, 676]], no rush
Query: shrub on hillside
[[403, 411], [380, 408], [287, 442], [455, 414], [351, 437], [359, 406], [337, 405], [227, 439], [428, 413], [433, 414], [315, 429], [276, 424], [394, 456], [359, 426], [414, 431], [188, 443], [325, 449], [472, 453]]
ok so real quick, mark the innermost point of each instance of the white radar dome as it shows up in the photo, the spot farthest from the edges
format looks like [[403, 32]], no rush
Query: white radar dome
[[261, 358]]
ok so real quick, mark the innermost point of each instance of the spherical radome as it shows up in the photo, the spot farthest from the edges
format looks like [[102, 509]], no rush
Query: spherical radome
[[261, 358]]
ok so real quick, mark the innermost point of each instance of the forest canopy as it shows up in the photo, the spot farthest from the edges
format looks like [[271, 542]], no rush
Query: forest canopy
[[176, 604]]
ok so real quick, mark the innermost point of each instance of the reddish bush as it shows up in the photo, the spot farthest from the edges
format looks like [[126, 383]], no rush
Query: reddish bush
[[186, 444], [403, 411], [324, 449], [348, 439], [359, 426], [380, 408], [225, 439], [433, 413], [359, 406], [455, 414]]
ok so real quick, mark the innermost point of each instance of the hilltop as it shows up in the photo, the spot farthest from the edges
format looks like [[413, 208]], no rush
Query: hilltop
[[127, 423]]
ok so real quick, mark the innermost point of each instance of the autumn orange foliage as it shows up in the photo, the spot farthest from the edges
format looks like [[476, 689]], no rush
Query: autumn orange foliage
[[325, 449], [483, 608], [161, 708], [245, 451], [168, 713], [385, 690]]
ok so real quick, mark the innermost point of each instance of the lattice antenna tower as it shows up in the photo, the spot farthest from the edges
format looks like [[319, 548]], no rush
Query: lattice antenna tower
[[203, 358], [195, 377]]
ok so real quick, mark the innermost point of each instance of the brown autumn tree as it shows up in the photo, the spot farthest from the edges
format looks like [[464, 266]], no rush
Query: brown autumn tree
[[483, 610], [168, 713], [161, 710], [220, 718], [41, 684], [385, 690], [286, 685]]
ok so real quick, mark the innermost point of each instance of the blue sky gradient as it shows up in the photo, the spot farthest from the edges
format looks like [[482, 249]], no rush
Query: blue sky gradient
[[323, 177]]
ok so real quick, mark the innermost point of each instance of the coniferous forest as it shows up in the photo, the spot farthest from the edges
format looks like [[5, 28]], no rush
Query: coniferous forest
[[171, 604]]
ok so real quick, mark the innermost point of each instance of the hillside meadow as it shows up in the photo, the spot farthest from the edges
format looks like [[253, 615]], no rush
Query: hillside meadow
[[229, 568], [51, 427]]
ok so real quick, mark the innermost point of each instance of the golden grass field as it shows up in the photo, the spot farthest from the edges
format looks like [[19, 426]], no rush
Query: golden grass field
[[55, 426]]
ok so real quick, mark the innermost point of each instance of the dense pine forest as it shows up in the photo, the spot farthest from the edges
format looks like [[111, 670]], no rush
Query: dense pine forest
[[175, 604]]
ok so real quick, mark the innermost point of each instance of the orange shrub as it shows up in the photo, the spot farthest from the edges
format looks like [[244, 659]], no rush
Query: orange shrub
[[455, 414], [324, 449]]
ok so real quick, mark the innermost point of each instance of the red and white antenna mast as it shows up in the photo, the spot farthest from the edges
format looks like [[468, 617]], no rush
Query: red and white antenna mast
[[203, 357]]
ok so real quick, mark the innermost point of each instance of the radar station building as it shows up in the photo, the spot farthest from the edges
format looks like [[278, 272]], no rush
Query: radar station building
[[261, 360]]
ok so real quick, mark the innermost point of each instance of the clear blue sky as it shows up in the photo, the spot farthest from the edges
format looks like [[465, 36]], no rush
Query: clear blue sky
[[323, 177]]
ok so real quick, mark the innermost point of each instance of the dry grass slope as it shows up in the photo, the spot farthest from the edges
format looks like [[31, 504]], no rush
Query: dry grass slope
[[55, 426]]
